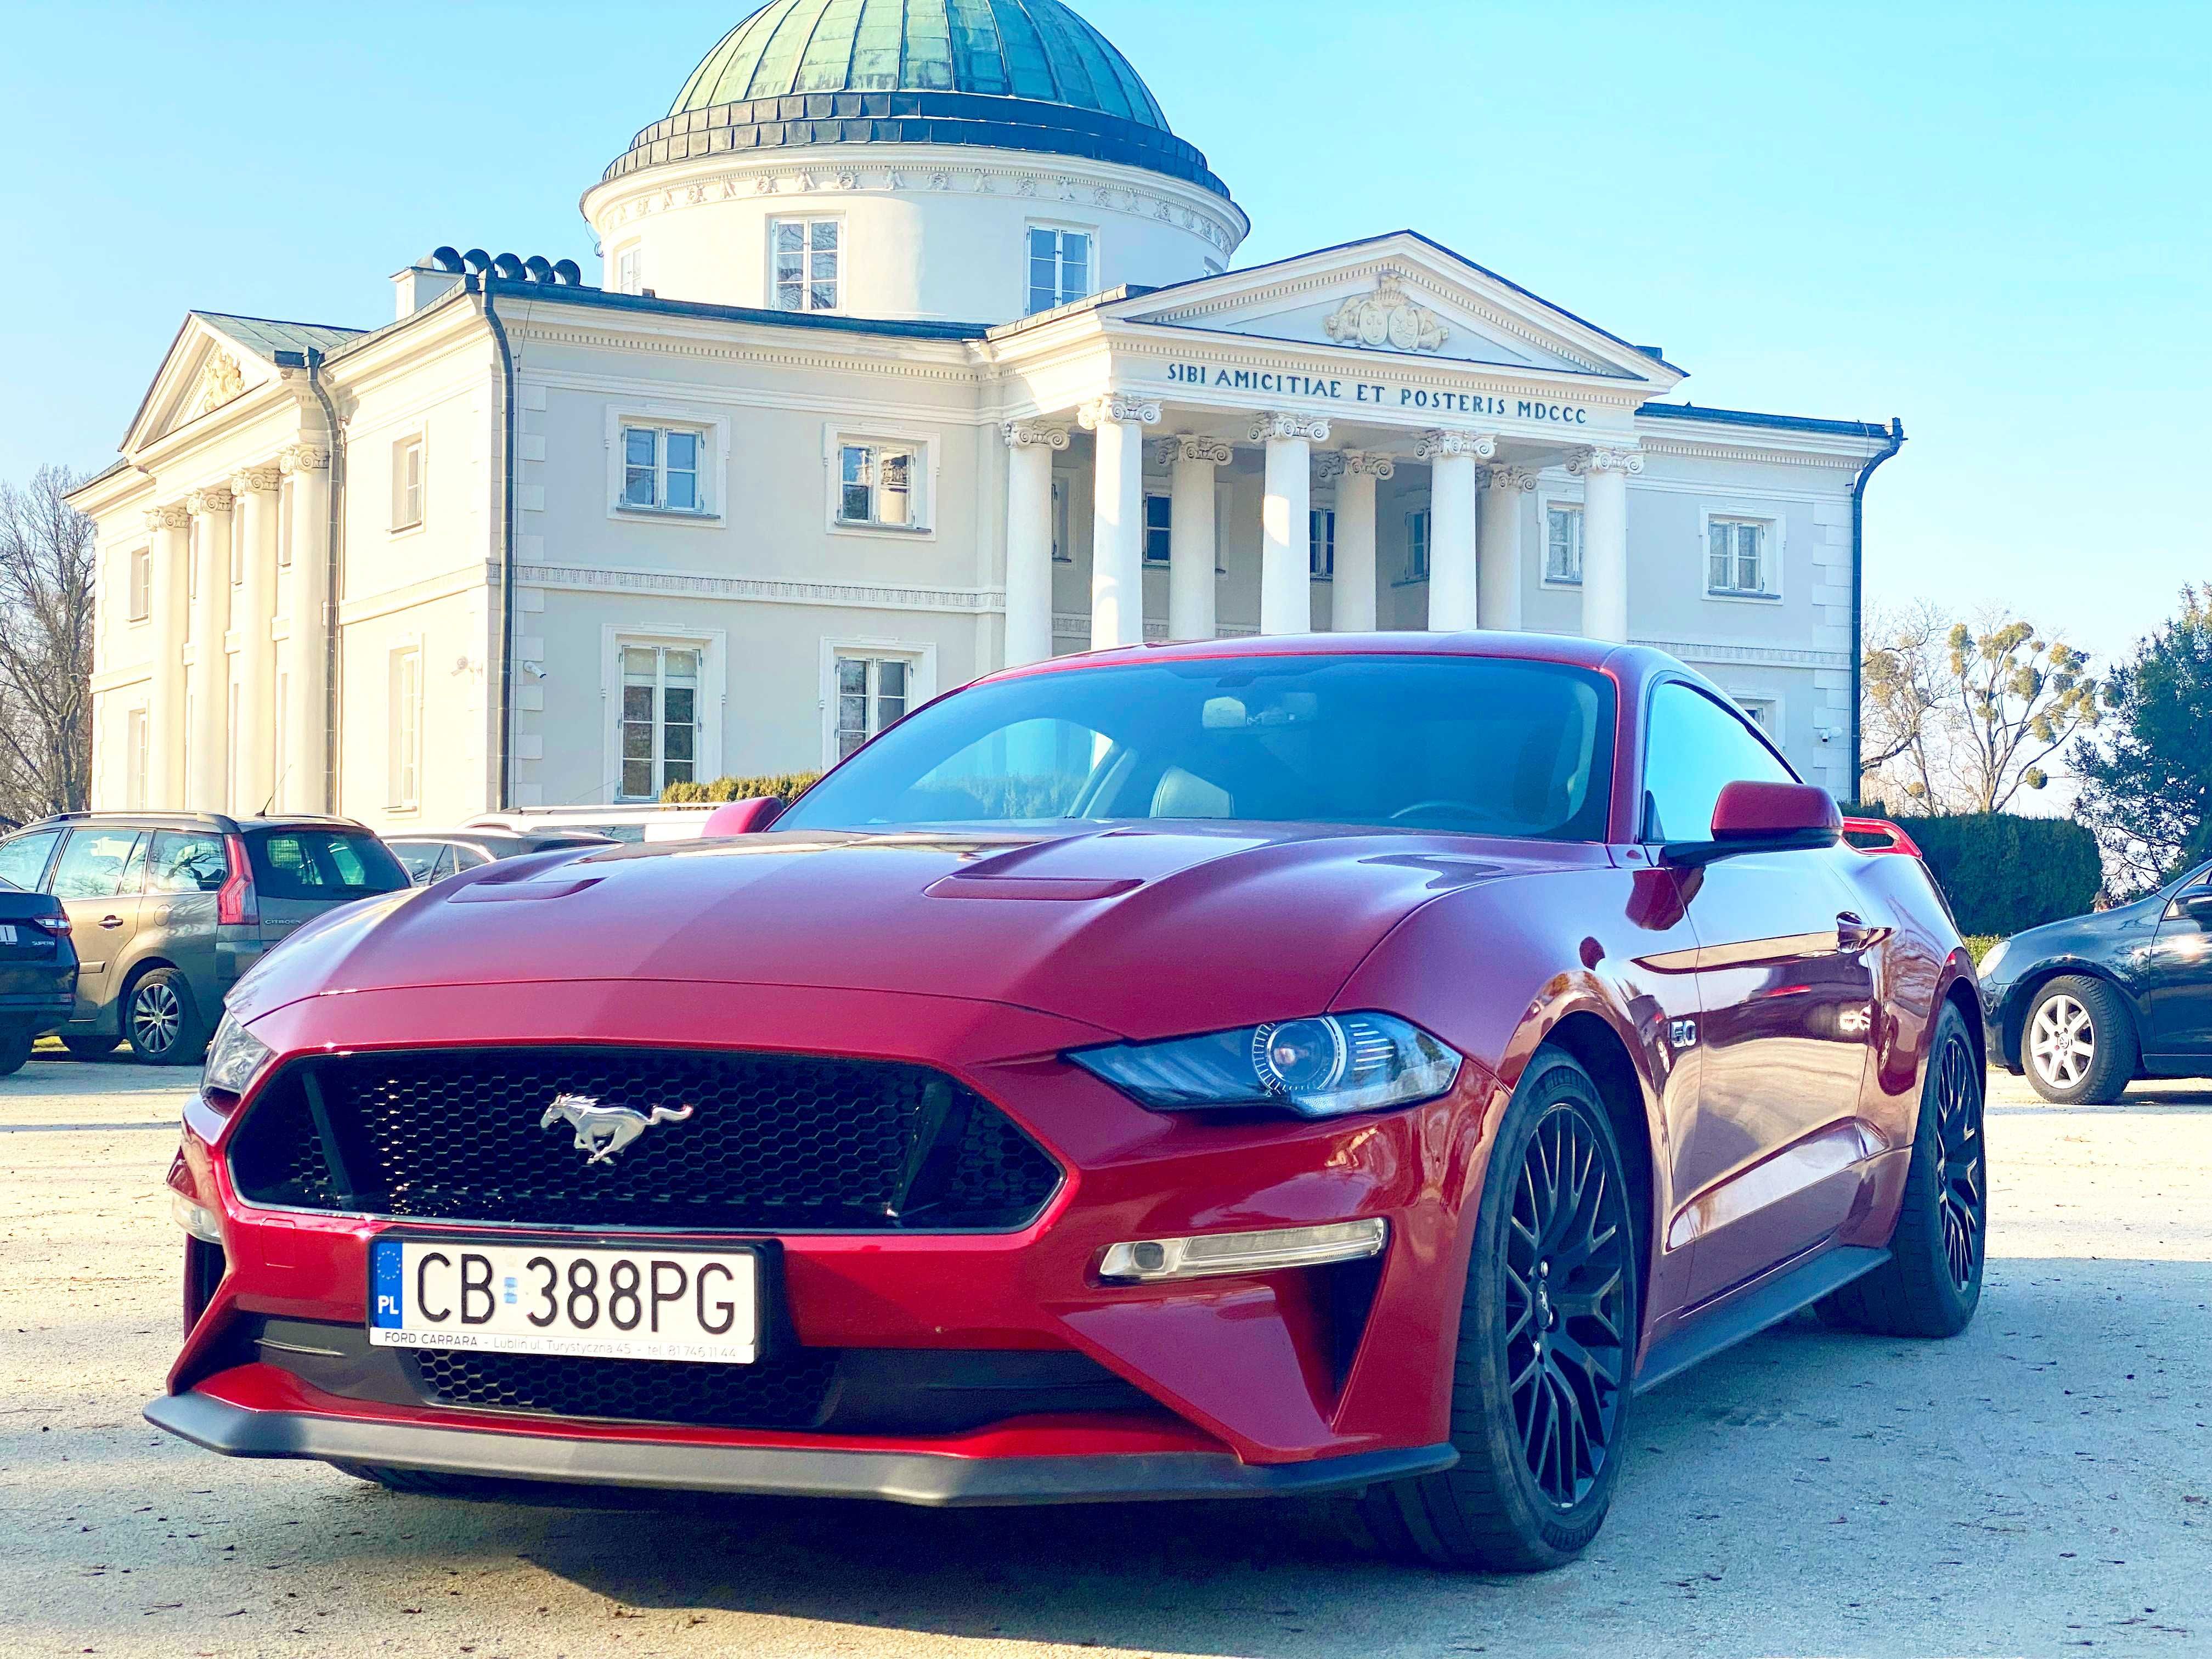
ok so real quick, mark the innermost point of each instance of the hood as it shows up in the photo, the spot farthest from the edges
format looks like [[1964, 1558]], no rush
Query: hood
[[1143, 933]]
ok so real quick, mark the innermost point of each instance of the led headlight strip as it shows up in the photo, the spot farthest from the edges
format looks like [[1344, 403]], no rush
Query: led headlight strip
[[1212, 1253]]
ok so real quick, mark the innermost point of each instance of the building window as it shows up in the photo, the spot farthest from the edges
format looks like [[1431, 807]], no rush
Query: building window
[[629, 270], [871, 693], [660, 469], [1060, 267], [140, 578], [1761, 710], [1321, 544], [407, 482], [660, 718], [1563, 545], [1160, 521], [1736, 561], [1417, 546], [284, 525], [876, 485], [1063, 551], [134, 759], [406, 729], [805, 253]]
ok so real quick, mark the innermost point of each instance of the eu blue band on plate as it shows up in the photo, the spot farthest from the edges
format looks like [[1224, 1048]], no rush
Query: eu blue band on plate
[[385, 1268]]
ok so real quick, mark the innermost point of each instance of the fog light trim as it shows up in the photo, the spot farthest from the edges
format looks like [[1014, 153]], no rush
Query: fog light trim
[[197, 1220], [1210, 1255]]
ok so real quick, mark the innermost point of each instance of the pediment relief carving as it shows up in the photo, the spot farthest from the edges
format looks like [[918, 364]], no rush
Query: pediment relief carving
[[220, 379], [1388, 320]]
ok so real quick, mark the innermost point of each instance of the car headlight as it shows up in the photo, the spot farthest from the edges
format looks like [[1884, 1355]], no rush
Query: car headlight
[[234, 1058], [1323, 1066], [1987, 971]]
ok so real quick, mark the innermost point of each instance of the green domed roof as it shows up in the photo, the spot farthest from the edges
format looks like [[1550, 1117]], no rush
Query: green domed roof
[[1020, 75], [1028, 49]]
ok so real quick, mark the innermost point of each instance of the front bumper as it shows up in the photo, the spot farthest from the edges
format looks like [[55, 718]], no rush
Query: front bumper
[[937, 1480]]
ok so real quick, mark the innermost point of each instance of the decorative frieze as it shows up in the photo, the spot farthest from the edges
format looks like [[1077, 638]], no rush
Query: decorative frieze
[[1442, 444], [1284, 425], [1583, 462], [1034, 434], [1122, 406]]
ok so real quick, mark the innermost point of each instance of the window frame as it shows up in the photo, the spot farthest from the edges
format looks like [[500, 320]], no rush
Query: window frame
[[404, 707], [1321, 539], [1550, 505], [1769, 521], [405, 445], [712, 431], [1165, 530], [920, 656], [772, 301], [1061, 230], [1416, 572], [629, 262], [137, 755], [138, 585], [712, 647], [921, 481]]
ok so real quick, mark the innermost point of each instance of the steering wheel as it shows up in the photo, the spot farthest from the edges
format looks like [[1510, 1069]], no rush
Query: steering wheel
[[1459, 808]]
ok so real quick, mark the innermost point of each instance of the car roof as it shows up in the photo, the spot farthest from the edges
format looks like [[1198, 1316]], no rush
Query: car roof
[[222, 821], [1625, 659]]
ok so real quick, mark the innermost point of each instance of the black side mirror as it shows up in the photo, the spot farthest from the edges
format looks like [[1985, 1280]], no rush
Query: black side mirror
[[2192, 904]]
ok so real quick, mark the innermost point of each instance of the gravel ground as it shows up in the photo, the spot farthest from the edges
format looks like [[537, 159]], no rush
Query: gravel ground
[[2042, 1484]]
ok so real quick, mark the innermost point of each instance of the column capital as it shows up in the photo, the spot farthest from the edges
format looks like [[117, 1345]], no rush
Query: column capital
[[1327, 464], [1511, 477], [1441, 444], [1583, 462], [172, 517], [1121, 406], [215, 498], [1034, 434], [253, 480], [1370, 464], [304, 458], [1184, 448], [1286, 424]]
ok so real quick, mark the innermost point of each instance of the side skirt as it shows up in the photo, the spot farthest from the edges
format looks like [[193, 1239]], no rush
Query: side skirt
[[1745, 1312]]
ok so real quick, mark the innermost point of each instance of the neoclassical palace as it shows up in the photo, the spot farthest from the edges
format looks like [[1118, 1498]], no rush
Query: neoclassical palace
[[913, 353]]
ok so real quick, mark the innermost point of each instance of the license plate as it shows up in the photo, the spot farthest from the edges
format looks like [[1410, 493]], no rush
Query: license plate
[[610, 1303]]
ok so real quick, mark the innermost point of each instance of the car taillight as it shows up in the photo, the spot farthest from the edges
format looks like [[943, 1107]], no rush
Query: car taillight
[[58, 925], [235, 903]]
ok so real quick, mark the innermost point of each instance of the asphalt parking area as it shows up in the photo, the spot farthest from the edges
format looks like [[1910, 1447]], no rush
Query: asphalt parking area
[[2042, 1484]]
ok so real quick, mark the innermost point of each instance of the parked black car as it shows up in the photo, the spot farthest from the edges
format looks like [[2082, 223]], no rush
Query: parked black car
[[2085, 1006], [432, 854], [38, 971], [168, 910]]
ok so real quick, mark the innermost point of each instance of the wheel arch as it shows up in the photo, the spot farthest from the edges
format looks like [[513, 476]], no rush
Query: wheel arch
[[1598, 1049], [2014, 1035]]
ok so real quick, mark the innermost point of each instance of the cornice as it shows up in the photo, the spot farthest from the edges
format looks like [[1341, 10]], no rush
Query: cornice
[[679, 584], [943, 373], [1779, 456], [1771, 656]]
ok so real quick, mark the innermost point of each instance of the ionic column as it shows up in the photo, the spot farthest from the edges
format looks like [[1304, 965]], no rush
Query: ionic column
[[1117, 524], [1192, 556], [1605, 474], [307, 597], [1030, 446], [207, 682], [168, 603], [256, 489], [1352, 609], [1499, 582], [1453, 588], [1286, 521]]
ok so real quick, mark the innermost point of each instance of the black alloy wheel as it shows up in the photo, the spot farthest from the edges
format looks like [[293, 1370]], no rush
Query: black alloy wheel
[[1932, 1282], [1567, 1266], [1547, 1338], [163, 1021]]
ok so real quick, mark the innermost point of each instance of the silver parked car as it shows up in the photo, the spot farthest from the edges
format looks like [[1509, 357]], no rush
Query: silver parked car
[[169, 909], [433, 855]]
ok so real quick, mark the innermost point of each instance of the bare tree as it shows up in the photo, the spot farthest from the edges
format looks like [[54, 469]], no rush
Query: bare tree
[[1899, 723], [46, 586]]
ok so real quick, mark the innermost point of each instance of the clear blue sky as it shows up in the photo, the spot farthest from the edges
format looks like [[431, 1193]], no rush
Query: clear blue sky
[[1990, 220]]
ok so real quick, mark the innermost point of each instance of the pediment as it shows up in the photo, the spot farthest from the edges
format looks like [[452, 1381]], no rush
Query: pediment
[[217, 360], [1400, 296]]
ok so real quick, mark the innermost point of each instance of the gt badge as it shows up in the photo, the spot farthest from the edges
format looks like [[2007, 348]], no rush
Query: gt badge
[[603, 1131]]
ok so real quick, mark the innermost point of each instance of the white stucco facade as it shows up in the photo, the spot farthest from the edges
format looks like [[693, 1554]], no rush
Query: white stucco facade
[[731, 535]]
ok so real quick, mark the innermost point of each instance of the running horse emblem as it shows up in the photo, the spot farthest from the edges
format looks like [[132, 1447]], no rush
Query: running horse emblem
[[603, 1131]]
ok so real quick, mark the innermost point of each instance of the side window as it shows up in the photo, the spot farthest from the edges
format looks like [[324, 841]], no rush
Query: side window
[[183, 863], [23, 859], [465, 857], [1694, 749], [95, 864], [419, 858]]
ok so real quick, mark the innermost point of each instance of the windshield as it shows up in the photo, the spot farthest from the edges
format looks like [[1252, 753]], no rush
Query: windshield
[[1482, 745]]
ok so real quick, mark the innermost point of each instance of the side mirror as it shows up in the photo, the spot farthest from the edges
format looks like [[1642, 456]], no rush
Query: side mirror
[[1766, 817], [2192, 904], [742, 817]]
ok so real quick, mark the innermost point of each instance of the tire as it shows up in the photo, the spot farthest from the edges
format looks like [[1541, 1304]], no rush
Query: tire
[[90, 1047], [427, 1483], [2080, 1042], [1538, 1463], [16, 1042], [163, 1021], [1932, 1282]]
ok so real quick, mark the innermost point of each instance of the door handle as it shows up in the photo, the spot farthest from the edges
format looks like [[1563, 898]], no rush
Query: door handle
[[1853, 935], [111, 922]]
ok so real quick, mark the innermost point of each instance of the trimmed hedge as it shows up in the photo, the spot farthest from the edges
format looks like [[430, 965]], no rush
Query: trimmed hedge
[[2002, 872], [784, 786]]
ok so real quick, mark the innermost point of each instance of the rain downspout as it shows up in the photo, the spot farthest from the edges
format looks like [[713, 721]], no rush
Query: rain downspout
[[332, 530], [1858, 590], [481, 286]]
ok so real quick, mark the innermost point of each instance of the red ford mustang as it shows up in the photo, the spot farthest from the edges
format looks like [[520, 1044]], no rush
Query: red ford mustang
[[1352, 1064]]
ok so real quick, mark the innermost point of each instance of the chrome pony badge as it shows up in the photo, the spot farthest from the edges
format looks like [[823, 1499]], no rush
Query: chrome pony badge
[[603, 1131]]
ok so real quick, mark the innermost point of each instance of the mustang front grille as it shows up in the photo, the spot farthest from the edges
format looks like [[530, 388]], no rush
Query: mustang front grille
[[640, 1138]]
